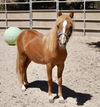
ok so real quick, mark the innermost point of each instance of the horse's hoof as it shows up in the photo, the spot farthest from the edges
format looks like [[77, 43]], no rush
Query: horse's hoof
[[61, 100], [51, 100], [23, 88]]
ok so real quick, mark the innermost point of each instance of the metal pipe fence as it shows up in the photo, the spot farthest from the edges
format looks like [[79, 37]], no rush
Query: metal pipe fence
[[31, 18]]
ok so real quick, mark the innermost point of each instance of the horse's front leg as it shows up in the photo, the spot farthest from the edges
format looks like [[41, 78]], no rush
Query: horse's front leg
[[59, 74], [49, 74]]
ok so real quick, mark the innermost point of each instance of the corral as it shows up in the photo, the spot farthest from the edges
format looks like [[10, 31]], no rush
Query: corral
[[86, 20], [81, 78]]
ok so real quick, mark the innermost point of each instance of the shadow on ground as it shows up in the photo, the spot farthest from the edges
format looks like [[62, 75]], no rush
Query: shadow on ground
[[95, 45], [81, 97]]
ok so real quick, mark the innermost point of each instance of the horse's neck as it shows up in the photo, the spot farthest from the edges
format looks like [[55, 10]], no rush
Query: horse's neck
[[52, 41]]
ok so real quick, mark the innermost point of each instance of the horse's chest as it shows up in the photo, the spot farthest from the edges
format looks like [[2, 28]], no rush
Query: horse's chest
[[57, 58]]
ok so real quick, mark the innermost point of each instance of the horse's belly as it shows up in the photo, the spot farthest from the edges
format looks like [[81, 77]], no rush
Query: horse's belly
[[38, 59]]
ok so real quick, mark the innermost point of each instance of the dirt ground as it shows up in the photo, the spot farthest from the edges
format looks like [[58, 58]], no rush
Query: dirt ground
[[81, 77]]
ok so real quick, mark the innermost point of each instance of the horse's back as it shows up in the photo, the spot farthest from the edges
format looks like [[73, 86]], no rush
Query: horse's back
[[27, 35]]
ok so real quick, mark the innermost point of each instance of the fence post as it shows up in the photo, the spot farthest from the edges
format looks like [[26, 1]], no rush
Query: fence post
[[57, 7], [31, 22], [6, 14], [84, 30]]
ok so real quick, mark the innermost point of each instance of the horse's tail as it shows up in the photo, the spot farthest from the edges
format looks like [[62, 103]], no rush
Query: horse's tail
[[19, 42]]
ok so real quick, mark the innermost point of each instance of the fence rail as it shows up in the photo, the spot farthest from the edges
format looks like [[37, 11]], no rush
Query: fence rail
[[86, 23]]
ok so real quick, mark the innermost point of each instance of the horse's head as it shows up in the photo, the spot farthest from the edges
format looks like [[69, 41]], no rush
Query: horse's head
[[64, 26]]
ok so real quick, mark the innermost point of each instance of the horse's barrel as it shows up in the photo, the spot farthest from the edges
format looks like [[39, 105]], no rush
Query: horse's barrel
[[11, 34]]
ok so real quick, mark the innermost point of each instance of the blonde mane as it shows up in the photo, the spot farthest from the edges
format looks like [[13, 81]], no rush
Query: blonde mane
[[53, 40]]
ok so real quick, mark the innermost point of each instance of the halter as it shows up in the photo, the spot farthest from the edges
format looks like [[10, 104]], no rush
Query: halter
[[65, 34]]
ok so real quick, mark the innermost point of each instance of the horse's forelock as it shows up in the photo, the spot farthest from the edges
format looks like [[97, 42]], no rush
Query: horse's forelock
[[63, 17]]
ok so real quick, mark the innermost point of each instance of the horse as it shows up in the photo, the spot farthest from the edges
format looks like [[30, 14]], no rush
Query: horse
[[49, 49]]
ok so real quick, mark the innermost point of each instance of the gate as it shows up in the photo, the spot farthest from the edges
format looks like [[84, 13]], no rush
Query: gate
[[86, 20]]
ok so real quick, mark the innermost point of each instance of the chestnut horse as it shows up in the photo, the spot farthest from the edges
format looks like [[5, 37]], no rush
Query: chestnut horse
[[47, 49]]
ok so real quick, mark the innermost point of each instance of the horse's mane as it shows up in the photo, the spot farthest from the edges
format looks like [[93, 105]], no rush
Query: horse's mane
[[53, 34]]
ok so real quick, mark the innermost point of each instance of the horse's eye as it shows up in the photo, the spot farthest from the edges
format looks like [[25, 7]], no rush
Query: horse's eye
[[57, 26], [71, 28]]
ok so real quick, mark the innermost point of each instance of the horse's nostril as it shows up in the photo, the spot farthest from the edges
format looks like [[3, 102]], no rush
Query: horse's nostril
[[65, 43], [60, 43]]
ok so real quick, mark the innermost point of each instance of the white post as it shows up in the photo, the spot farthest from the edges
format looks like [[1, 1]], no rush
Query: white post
[[6, 14], [57, 7], [31, 22], [84, 30]]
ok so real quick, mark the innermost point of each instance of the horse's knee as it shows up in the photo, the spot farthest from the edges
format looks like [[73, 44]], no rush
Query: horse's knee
[[49, 81]]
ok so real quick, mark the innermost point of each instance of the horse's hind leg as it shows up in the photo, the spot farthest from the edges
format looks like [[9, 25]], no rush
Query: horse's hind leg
[[21, 67]]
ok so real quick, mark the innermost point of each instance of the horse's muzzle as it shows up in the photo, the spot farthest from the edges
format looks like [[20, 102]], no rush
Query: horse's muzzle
[[62, 45]]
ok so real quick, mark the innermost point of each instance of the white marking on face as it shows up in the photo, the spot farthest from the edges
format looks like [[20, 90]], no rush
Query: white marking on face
[[64, 26], [64, 29]]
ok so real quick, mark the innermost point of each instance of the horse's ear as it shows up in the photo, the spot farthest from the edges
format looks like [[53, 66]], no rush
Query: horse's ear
[[71, 14], [59, 13]]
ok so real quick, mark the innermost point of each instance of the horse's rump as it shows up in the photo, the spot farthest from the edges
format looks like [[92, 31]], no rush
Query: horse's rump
[[27, 36]]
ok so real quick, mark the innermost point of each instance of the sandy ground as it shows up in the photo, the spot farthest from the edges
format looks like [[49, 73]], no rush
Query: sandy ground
[[81, 77]]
